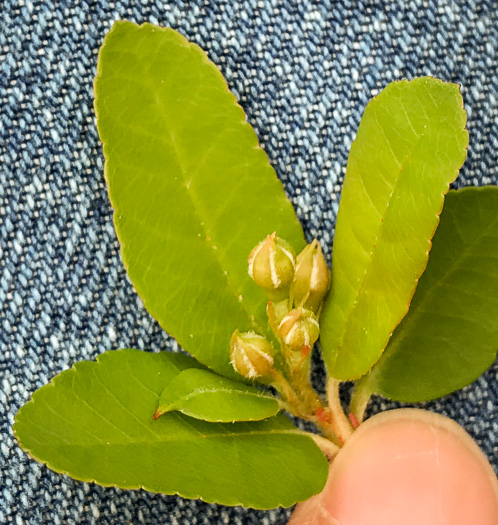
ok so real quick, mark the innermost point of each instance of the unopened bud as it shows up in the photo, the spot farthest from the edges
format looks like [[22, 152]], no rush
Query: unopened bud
[[251, 354], [299, 328], [311, 278], [271, 266]]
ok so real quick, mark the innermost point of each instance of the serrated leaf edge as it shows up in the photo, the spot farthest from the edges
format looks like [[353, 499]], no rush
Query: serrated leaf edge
[[243, 121], [438, 215], [369, 379], [185, 494]]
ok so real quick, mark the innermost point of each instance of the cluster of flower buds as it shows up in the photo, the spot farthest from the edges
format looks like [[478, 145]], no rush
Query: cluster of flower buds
[[296, 289], [273, 267], [251, 354]]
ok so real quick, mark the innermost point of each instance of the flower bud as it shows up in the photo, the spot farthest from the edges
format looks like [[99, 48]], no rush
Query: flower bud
[[271, 266], [311, 278], [251, 354], [299, 328]]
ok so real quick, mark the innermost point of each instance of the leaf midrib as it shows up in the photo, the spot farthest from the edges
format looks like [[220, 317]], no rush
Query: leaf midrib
[[208, 235], [237, 294], [360, 292], [215, 390], [172, 439]]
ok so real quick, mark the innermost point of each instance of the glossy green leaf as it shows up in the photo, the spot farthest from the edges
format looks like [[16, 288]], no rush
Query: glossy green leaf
[[450, 335], [94, 422], [193, 192], [208, 396], [410, 145]]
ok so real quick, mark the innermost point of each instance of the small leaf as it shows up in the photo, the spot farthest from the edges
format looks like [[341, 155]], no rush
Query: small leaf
[[410, 145], [192, 191], [450, 335], [94, 422], [205, 395]]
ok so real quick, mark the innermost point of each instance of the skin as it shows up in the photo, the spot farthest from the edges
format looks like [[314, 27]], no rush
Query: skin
[[409, 467]]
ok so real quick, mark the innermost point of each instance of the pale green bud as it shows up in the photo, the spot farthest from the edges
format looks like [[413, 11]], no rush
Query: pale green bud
[[311, 278], [299, 328], [251, 354], [271, 266]]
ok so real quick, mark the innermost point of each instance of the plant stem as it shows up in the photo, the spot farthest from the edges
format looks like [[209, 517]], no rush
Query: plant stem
[[327, 431], [302, 401], [342, 426], [326, 446], [360, 399], [285, 389]]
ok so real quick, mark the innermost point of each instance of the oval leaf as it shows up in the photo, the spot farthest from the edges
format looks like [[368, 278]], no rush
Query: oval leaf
[[208, 396], [192, 191], [450, 335], [410, 145], [94, 422]]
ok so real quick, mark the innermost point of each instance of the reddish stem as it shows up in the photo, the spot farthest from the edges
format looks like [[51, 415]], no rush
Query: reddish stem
[[353, 420]]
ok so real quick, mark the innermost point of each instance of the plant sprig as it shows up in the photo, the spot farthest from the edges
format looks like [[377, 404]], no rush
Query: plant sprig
[[193, 195]]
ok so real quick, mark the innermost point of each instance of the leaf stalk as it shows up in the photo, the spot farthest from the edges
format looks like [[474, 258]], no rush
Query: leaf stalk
[[360, 399]]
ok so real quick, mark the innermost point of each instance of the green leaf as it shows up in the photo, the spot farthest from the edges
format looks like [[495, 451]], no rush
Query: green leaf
[[94, 422], [205, 395], [410, 145], [450, 335], [193, 192]]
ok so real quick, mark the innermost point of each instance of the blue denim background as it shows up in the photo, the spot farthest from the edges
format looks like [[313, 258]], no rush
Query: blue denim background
[[303, 71]]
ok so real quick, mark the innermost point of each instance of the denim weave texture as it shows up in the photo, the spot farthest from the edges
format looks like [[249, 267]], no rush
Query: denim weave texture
[[303, 71]]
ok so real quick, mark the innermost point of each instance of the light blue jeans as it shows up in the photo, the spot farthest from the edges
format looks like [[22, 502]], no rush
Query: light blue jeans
[[303, 71]]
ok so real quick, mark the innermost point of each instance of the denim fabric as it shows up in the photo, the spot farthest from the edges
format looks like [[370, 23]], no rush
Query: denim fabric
[[303, 71]]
